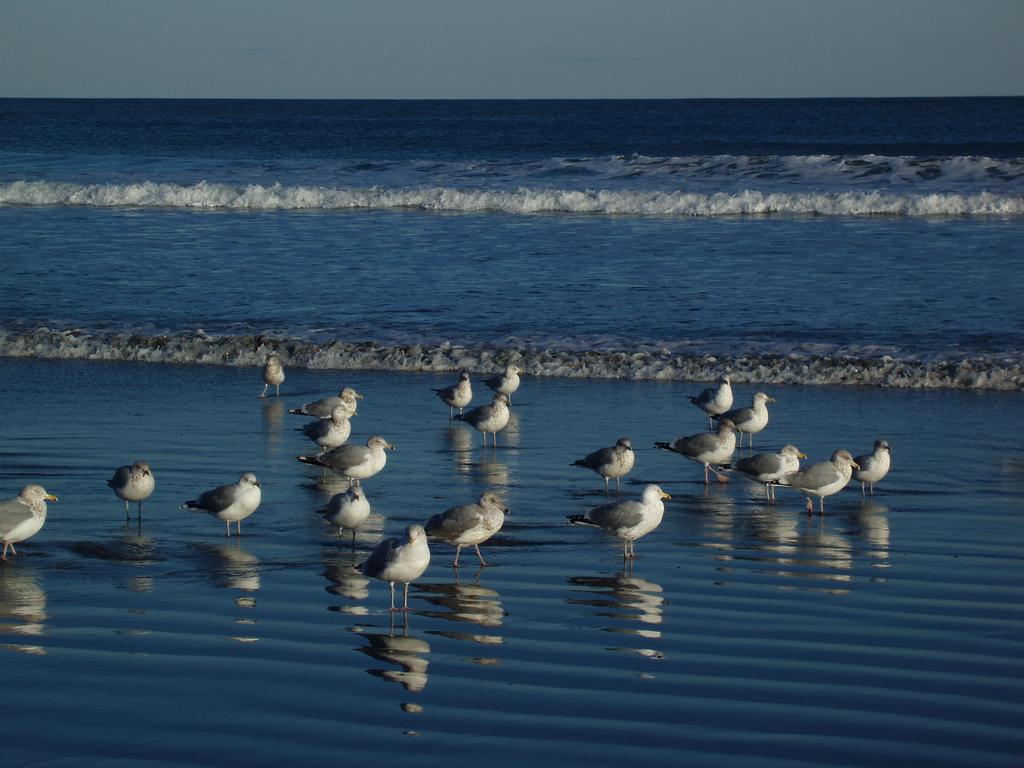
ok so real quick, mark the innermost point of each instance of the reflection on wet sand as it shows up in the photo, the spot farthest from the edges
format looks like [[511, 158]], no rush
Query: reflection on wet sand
[[633, 603], [231, 567], [22, 607], [465, 603], [401, 650], [346, 580], [273, 415], [870, 524], [458, 440]]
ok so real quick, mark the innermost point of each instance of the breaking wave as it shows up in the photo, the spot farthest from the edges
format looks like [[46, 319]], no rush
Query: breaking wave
[[277, 197], [993, 372]]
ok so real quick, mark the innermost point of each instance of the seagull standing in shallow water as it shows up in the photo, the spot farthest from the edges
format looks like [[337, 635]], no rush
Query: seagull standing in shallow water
[[329, 433], [614, 462], [824, 479], [273, 375], [873, 466], [23, 516], [627, 520], [769, 468], [230, 503], [133, 483], [492, 417], [399, 559], [707, 448], [322, 408], [469, 524], [750, 420], [354, 462], [505, 383], [715, 401], [348, 509], [457, 395]]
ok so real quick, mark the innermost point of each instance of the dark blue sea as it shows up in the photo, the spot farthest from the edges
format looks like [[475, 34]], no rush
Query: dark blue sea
[[854, 241]]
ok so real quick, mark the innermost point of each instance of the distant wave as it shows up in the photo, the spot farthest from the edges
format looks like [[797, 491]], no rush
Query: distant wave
[[995, 372], [518, 201]]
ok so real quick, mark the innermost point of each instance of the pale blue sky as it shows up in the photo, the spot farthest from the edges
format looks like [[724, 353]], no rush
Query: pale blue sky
[[512, 49]]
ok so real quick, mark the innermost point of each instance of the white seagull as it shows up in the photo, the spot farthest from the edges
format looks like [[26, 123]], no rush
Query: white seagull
[[610, 463], [273, 375], [354, 462], [505, 383], [492, 417], [823, 479], [628, 520], [332, 432], [750, 420], [707, 448], [457, 395], [230, 503], [469, 524], [873, 466], [769, 468], [23, 516], [715, 401], [399, 559], [323, 407], [133, 483], [348, 510]]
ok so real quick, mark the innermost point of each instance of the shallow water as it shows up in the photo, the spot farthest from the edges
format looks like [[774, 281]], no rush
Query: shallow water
[[889, 631]]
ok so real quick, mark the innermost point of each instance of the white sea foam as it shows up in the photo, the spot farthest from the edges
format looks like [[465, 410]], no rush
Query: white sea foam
[[834, 367], [277, 197]]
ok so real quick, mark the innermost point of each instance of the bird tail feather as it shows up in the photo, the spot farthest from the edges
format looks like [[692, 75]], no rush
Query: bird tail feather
[[582, 520]]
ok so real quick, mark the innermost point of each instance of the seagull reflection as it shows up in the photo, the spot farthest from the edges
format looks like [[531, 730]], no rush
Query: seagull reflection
[[464, 603], [230, 566], [821, 555], [347, 581], [633, 603], [407, 653], [871, 525], [458, 441], [22, 607], [273, 415]]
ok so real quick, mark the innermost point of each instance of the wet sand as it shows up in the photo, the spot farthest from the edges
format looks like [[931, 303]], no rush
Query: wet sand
[[888, 631]]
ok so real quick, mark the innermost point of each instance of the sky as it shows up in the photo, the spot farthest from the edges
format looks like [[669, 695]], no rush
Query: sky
[[453, 49]]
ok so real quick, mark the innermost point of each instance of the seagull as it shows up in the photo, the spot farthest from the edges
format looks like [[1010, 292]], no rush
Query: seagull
[[469, 524], [873, 466], [133, 483], [273, 374], [750, 420], [355, 462], [768, 468], [628, 520], [23, 516], [614, 462], [331, 432], [715, 401], [489, 418], [348, 510], [706, 448], [230, 503], [457, 395], [322, 408], [505, 383], [822, 479], [399, 559]]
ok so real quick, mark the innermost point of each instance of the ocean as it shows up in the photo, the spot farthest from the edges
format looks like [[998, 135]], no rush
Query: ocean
[[816, 241], [858, 260]]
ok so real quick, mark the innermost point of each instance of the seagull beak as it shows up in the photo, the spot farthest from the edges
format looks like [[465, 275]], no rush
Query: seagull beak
[[390, 447], [665, 495], [359, 397], [855, 465], [50, 497], [801, 455]]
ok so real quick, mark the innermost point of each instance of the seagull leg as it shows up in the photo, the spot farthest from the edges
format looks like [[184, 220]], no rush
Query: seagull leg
[[477, 548], [264, 392], [705, 474], [405, 602], [392, 585], [228, 524], [821, 505], [277, 390], [140, 510], [458, 549], [618, 487], [4, 556], [239, 526], [810, 505]]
